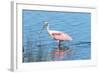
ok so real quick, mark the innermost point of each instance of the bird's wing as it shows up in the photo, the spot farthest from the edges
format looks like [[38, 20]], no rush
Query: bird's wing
[[62, 34], [53, 31]]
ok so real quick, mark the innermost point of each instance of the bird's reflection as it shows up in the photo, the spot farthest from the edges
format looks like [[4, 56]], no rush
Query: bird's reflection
[[60, 53]]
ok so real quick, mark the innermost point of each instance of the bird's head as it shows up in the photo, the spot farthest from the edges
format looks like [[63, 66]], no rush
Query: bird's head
[[45, 24]]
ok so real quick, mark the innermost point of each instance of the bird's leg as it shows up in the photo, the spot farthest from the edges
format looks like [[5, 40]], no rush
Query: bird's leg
[[59, 44]]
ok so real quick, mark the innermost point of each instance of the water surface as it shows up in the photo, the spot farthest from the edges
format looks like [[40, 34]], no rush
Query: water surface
[[39, 47]]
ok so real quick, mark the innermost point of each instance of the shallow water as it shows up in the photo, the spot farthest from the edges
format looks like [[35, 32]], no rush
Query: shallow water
[[41, 47]]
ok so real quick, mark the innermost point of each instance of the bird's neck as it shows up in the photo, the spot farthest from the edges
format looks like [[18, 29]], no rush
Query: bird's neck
[[48, 28]]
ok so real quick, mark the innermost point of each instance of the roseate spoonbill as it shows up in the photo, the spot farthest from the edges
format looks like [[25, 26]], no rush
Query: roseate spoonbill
[[57, 35]]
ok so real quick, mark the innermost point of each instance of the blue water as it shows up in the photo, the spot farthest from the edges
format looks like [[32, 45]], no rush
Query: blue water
[[39, 46]]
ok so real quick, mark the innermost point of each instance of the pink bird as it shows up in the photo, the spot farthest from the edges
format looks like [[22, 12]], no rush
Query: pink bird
[[57, 35]]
